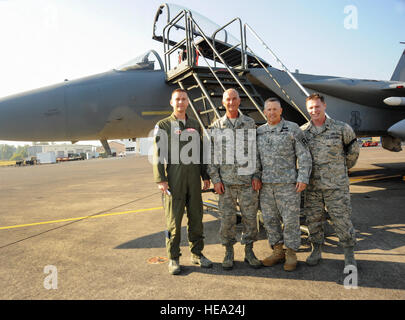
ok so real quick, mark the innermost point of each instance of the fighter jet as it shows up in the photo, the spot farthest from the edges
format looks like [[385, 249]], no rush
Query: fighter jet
[[205, 59]]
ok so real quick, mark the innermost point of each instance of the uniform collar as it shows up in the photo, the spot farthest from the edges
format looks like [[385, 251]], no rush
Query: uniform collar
[[327, 124], [278, 127], [174, 118], [227, 123]]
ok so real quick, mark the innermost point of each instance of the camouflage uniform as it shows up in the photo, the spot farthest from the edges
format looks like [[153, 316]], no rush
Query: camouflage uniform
[[184, 182], [278, 151], [334, 150], [236, 177]]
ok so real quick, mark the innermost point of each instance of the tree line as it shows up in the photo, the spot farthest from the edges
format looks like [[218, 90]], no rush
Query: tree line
[[12, 153]]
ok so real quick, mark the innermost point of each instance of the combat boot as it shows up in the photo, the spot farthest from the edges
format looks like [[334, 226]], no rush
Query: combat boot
[[174, 266], [201, 261], [227, 264], [277, 256], [315, 256], [349, 257], [251, 258], [290, 260]]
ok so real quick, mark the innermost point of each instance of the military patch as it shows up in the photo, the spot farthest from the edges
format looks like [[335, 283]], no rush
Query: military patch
[[333, 136], [304, 141]]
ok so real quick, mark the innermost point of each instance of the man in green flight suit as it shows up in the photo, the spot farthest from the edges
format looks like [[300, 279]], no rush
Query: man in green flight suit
[[177, 169]]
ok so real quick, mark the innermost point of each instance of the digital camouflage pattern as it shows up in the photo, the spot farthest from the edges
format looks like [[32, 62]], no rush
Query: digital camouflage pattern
[[334, 150], [231, 171], [230, 159], [279, 149], [337, 202], [248, 203], [279, 203]]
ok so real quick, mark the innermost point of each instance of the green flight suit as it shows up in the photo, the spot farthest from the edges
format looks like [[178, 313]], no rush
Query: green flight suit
[[178, 160]]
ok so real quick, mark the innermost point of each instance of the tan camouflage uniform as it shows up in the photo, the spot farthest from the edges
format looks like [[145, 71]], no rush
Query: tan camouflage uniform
[[278, 151], [334, 150], [237, 184]]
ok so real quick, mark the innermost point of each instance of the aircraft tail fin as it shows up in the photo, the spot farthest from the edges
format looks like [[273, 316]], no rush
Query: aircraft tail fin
[[399, 72]]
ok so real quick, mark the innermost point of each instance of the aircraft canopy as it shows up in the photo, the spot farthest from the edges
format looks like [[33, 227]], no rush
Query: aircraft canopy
[[145, 61]]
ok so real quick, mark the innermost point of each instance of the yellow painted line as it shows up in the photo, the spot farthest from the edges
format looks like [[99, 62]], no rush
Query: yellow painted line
[[7, 163], [81, 218], [156, 113]]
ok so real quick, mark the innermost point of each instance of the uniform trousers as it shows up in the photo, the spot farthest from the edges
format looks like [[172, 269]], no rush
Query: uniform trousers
[[248, 203], [337, 203], [185, 194], [280, 203]]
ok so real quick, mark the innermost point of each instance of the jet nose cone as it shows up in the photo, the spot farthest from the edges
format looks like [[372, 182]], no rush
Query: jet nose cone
[[33, 115]]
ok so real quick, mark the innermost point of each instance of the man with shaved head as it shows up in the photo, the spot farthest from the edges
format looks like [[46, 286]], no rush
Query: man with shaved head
[[235, 178], [280, 144]]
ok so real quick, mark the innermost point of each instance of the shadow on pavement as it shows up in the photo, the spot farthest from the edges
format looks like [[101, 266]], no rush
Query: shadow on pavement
[[379, 231]]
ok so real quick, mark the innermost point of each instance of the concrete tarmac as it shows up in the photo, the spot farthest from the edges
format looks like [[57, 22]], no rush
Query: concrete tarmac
[[91, 230]]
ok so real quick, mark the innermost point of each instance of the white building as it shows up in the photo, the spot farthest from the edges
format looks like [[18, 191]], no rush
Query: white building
[[140, 146], [61, 150]]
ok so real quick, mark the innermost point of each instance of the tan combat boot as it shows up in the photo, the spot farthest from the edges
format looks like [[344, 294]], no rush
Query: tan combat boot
[[277, 256], [290, 260], [251, 258], [227, 264]]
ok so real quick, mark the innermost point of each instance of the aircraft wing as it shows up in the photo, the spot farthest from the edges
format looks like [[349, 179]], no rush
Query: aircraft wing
[[368, 92]]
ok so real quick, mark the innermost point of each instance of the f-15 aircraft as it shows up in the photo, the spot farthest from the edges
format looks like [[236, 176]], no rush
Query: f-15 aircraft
[[205, 59]]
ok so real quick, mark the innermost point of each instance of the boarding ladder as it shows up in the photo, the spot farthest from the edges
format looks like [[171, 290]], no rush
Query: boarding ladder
[[206, 84]]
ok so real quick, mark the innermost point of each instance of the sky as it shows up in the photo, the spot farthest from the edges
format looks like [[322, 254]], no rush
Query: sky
[[44, 42]]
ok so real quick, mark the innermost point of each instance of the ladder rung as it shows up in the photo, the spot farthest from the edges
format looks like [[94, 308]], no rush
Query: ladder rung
[[242, 108], [219, 75], [206, 111], [226, 82], [192, 87], [241, 95], [199, 99]]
